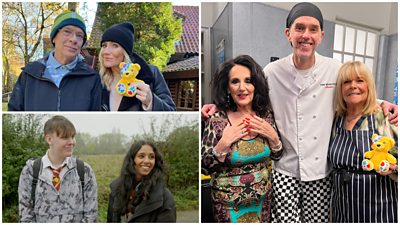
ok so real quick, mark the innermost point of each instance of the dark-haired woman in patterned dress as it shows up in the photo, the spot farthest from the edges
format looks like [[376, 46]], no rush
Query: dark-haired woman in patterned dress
[[238, 143]]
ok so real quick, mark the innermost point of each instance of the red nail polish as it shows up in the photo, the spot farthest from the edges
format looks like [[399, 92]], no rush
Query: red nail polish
[[247, 118]]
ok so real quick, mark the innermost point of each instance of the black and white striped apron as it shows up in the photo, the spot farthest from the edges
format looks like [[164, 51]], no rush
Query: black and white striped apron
[[357, 195]]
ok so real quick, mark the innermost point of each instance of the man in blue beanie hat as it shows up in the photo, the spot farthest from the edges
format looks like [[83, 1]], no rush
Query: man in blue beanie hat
[[61, 81]]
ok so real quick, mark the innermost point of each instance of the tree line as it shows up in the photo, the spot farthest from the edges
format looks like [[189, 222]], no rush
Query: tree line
[[26, 24], [23, 139]]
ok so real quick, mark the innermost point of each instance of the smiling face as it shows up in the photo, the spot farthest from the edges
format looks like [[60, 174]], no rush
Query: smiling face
[[305, 35], [67, 44], [355, 91], [60, 147], [144, 161], [112, 54], [240, 86]]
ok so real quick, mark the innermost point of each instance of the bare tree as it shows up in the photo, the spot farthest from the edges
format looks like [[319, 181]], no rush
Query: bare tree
[[24, 25], [29, 21]]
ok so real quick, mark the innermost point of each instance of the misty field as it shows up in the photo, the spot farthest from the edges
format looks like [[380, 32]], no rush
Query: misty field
[[23, 140], [108, 167]]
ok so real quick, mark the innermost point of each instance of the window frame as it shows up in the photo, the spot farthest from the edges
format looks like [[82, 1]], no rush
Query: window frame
[[354, 53], [185, 99]]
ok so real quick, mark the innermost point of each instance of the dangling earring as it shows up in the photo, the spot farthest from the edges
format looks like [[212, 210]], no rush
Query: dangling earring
[[227, 99]]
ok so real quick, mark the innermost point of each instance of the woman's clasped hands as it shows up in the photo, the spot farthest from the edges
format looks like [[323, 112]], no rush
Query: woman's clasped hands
[[263, 128]]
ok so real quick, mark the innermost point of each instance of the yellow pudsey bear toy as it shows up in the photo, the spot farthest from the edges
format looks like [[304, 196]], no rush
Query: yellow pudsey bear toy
[[128, 72], [379, 157]]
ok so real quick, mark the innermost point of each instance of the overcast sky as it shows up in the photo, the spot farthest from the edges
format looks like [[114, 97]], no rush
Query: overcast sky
[[129, 124]]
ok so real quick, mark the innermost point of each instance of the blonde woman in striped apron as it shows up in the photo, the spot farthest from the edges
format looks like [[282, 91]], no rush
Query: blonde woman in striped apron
[[357, 195]]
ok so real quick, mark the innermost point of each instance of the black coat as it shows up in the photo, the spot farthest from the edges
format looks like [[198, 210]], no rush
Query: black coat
[[151, 75], [160, 207], [80, 90]]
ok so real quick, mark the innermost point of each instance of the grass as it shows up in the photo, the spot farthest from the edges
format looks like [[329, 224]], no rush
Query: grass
[[108, 167], [4, 107]]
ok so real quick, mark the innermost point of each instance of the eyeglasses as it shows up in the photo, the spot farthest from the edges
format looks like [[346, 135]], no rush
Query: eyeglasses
[[69, 33]]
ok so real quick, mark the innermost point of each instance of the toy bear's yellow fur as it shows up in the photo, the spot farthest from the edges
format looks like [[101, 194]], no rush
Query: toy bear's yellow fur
[[128, 71], [379, 157]]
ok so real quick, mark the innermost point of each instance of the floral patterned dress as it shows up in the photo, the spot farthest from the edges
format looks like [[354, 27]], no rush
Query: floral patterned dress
[[241, 185]]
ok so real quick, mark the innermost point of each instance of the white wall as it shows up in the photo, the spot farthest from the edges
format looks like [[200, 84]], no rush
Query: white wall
[[381, 16], [210, 12], [394, 17]]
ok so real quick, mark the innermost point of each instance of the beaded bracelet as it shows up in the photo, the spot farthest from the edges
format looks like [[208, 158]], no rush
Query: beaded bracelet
[[218, 154], [277, 148]]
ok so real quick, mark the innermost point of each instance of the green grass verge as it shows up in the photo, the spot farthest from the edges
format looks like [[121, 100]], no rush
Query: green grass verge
[[106, 169]]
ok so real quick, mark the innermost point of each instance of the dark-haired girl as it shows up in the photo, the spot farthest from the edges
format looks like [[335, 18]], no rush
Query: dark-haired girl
[[140, 194], [238, 143]]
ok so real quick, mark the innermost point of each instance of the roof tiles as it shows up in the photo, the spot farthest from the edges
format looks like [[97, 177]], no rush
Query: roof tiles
[[187, 64], [189, 42]]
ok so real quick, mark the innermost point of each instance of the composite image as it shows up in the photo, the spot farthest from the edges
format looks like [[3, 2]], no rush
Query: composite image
[[199, 112]]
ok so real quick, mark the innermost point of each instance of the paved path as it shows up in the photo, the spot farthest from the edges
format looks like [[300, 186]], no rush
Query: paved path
[[189, 216]]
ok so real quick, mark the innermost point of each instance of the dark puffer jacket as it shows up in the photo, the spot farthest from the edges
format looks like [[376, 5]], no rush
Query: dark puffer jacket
[[151, 75], [160, 207], [80, 90]]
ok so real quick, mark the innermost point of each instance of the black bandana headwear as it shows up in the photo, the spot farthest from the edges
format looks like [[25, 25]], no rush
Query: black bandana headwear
[[304, 9]]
